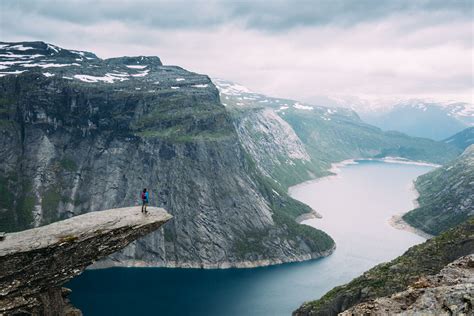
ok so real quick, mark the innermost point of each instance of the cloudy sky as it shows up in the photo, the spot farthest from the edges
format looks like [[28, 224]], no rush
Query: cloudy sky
[[296, 49]]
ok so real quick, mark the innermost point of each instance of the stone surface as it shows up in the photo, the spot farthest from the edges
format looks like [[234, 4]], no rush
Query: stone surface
[[450, 292], [36, 262]]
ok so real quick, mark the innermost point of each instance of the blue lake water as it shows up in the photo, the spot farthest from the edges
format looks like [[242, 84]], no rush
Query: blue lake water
[[356, 206]]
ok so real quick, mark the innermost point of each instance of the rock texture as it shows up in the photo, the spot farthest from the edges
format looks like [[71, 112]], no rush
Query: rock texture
[[273, 144], [450, 292], [446, 195], [36, 262], [80, 134], [419, 261]]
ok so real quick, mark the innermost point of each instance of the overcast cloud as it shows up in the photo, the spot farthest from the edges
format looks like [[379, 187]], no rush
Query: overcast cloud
[[295, 49]]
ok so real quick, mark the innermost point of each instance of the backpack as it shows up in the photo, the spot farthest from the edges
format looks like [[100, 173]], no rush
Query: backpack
[[143, 196]]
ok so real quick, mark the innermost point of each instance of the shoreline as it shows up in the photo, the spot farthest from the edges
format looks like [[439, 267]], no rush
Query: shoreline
[[335, 168], [333, 171], [105, 264], [397, 221], [311, 215]]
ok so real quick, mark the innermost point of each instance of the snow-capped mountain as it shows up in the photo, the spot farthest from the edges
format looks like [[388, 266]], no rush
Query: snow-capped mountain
[[236, 95], [415, 117], [436, 120]]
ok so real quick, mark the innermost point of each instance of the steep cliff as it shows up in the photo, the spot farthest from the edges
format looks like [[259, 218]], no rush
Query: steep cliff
[[81, 134], [446, 195], [36, 262], [395, 276]]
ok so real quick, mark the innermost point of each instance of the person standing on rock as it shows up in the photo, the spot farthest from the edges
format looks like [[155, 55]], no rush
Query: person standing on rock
[[144, 201]]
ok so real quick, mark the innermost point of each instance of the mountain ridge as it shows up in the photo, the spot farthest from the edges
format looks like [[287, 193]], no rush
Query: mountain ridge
[[89, 134]]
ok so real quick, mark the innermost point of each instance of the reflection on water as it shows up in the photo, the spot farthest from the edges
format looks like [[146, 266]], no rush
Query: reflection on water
[[356, 205]]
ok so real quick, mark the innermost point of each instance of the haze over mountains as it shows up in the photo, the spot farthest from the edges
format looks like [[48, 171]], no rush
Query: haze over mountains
[[422, 118]]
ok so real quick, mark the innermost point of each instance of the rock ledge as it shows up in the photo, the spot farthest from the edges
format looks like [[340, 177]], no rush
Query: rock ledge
[[36, 262]]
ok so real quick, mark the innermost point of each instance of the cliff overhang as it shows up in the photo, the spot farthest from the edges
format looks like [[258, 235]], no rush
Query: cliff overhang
[[35, 263]]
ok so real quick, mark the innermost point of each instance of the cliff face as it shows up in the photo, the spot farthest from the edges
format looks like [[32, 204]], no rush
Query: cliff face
[[274, 146], [446, 195], [81, 134], [36, 262], [389, 278]]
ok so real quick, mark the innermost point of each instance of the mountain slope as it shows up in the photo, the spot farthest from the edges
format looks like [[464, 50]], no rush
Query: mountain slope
[[446, 195], [82, 134], [446, 209], [388, 278], [444, 293], [293, 141], [463, 139]]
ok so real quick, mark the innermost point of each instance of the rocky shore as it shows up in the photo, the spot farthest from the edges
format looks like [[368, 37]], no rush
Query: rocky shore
[[107, 263], [450, 292]]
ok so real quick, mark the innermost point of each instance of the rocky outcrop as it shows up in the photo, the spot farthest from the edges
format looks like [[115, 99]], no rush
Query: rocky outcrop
[[386, 279], [274, 146], [446, 195], [81, 134], [36, 262], [450, 292]]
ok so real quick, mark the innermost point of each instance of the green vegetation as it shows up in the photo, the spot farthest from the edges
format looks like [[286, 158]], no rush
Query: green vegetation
[[68, 164], [388, 278], [463, 139], [183, 121], [7, 216], [15, 215], [25, 209], [445, 196], [67, 238], [343, 138], [174, 134], [285, 211], [167, 234], [49, 205], [251, 243], [5, 101]]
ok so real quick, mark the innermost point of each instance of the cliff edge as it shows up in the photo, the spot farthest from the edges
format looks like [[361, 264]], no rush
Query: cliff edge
[[36, 262]]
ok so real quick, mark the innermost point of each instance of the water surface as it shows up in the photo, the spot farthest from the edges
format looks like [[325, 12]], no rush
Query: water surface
[[356, 206]]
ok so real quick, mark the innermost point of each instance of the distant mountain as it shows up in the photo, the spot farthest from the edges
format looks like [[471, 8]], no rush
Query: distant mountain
[[463, 139], [446, 195], [292, 141], [421, 118]]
